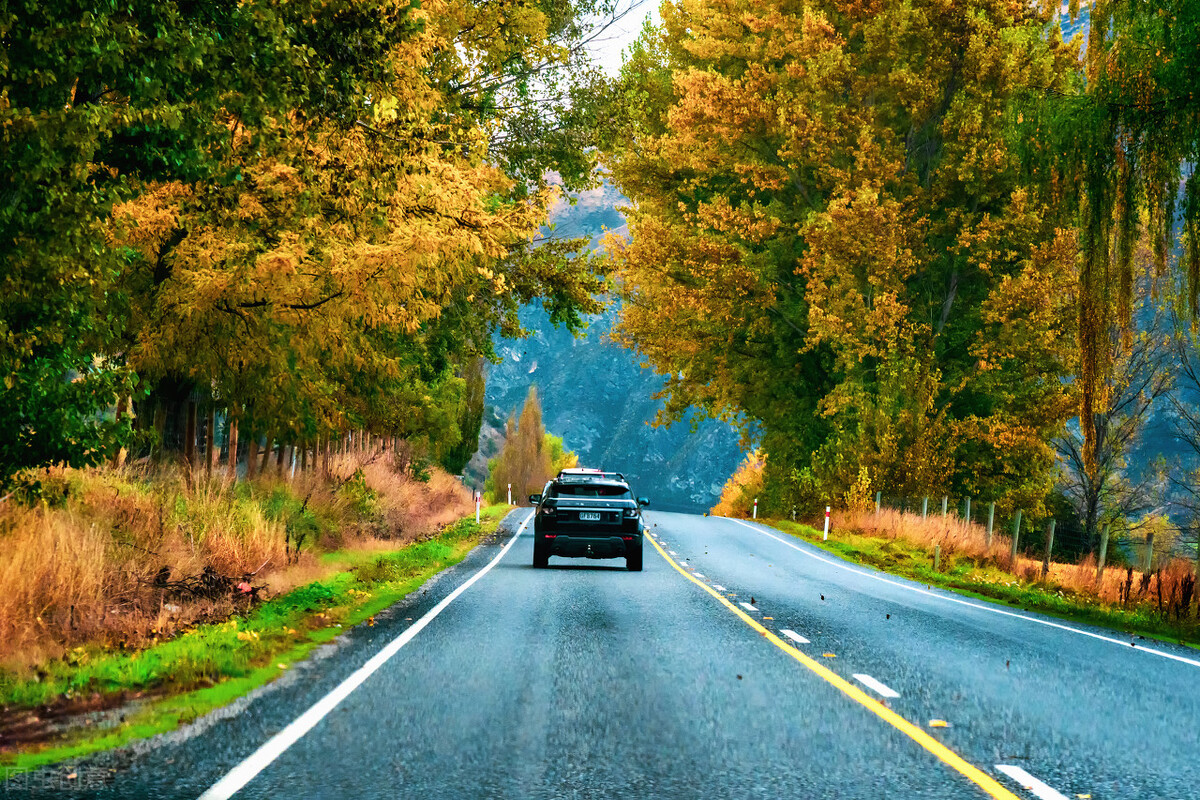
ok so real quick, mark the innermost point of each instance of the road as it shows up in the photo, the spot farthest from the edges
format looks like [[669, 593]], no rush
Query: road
[[726, 669]]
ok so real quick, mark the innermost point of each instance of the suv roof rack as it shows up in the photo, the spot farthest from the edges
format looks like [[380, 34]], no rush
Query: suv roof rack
[[582, 475]]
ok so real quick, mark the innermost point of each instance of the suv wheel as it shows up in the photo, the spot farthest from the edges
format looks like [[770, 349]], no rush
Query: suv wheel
[[541, 556], [633, 559]]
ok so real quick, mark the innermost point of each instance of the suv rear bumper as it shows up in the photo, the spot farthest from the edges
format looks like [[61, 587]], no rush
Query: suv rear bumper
[[591, 545]]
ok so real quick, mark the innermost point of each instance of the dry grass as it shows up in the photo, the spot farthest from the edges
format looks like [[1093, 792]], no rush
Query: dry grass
[[953, 535], [1166, 589], [81, 569]]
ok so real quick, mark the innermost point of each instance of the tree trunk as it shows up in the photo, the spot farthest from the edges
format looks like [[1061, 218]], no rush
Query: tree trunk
[[279, 459], [251, 459], [160, 425], [285, 460], [189, 436], [303, 456], [266, 461], [210, 441], [231, 444]]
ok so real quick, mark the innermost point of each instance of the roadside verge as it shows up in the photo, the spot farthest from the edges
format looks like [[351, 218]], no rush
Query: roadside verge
[[115, 697], [986, 582]]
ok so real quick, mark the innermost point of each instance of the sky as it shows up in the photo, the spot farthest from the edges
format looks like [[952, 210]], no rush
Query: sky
[[607, 49]]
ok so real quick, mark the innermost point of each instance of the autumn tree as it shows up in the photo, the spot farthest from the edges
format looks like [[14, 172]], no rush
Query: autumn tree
[[1119, 149], [832, 242], [525, 460], [315, 215], [1104, 488]]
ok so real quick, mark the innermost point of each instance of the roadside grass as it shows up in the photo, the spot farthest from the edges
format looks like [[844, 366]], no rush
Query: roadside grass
[[981, 578], [210, 665]]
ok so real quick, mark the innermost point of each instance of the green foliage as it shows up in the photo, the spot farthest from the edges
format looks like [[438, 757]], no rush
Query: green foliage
[[195, 193], [833, 242]]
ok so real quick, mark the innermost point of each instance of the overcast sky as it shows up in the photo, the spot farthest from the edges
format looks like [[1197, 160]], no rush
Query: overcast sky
[[608, 48]]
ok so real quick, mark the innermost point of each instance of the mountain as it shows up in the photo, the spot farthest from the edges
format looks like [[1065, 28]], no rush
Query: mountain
[[598, 398]]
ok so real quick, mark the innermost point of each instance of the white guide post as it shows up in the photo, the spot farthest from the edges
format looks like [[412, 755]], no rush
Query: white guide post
[[826, 538], [510, 494], [755, 508], [476, 506]]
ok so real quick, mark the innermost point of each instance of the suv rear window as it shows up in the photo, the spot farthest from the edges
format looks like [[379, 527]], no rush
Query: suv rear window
[[591, 490]]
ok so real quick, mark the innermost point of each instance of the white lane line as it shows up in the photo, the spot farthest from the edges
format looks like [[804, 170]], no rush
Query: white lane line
[[795, 637], [879, 688], [749, 607], [1030, 783], [991, 609], [672, 552], [697, 574], [274, 747], [719, 588]]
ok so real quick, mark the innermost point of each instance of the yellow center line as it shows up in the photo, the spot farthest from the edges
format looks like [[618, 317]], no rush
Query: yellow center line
[[943, 753]]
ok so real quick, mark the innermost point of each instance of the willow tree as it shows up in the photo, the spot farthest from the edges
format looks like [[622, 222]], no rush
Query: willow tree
[[1123, 147], [832, 240]]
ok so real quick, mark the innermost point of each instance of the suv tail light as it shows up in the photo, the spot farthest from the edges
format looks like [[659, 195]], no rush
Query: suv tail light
[[630, 513]]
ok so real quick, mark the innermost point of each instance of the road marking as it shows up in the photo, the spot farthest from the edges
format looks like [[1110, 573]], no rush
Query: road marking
[[274, 747], [879, 688], [698, 575], [748, 607], [940, 751], [992, 609], [795, 637], [719, 588], [674, 553], [1030, 783]]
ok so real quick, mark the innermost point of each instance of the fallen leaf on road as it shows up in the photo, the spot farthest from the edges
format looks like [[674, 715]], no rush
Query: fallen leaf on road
[[938, 723]]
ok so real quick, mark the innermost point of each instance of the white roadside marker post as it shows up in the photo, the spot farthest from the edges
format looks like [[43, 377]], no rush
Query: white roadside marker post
[[826, 538], [476, 506], [510, 494], [755, 508]]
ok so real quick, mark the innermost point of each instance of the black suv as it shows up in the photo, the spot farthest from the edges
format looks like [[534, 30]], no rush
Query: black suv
[[586, 513]]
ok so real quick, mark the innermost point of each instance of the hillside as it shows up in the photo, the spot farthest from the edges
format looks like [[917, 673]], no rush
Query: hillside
[[596, 396]]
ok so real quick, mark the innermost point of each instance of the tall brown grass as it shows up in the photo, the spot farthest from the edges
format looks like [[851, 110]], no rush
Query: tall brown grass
[[1164, 588], [82, 567], [955, 536]]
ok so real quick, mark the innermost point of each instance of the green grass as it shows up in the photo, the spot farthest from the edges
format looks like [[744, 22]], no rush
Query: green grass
[[211, 665], [989, 583]]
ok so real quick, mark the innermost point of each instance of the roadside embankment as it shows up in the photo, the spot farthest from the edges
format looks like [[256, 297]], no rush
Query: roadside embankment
[[163, 597], [1152, 605]]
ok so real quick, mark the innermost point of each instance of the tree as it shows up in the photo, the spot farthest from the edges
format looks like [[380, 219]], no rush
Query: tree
[[1102, 489], [832, 241], [311, 212], [1120, 147], [525, 461]]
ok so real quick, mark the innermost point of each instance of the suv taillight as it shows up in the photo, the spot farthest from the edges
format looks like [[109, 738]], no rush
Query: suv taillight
[[630, 513]]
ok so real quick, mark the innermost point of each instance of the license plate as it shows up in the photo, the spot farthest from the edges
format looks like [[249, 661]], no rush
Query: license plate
[[589, 516]]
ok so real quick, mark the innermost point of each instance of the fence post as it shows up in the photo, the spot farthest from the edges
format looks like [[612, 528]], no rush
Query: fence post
[[1103, 554], [1016, 535], [878, 498], [1149, 551], [925, 509], [1049, 549], [991, 519], [826, 537], [937, 557], [945, 501]]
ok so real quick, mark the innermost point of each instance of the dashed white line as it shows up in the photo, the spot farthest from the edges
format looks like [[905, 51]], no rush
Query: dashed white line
[[978, 606], [795, 637], [749, 607], [697, 574], [719, 588], [1030, 783], [876, 686], [257, 761], [672, 552]]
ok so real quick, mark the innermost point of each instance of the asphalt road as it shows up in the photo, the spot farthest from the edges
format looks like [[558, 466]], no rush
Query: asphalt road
[[588, 681]]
